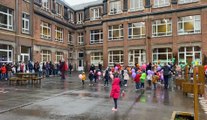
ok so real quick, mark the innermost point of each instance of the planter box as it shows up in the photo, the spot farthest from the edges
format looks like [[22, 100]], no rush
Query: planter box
[[177, 115]]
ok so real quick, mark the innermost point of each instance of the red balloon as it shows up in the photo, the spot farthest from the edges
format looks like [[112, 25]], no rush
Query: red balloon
[[205, 67]]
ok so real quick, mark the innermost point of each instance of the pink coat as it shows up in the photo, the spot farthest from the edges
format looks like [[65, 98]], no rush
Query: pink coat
[[115, 91]]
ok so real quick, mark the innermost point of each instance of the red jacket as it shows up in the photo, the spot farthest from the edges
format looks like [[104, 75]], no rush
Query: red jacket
[[115, 91], [3, 69], [137, 78]]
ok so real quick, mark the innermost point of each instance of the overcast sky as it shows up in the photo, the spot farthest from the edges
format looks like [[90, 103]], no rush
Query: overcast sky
[[75, 2]]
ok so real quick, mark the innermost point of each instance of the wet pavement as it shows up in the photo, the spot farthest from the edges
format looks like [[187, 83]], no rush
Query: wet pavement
[[55, 99]]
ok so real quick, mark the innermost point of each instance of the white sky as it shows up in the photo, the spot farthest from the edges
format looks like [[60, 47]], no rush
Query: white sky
[[75, 2]]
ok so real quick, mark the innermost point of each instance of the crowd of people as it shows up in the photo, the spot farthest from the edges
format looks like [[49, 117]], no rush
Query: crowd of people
[[43, 69]]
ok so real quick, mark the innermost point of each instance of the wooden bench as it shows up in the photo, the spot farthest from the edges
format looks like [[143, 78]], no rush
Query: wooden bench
[[13, 80], [36, 80], [179, 82], [189, 88]]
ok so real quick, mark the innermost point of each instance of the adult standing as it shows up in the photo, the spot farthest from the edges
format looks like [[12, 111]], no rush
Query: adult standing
[[92, 68], [70, 68], [63, 69], [100, 66], [166, 73]]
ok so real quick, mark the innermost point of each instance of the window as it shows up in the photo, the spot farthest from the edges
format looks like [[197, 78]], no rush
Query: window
[[46, 56], [79, 18], [162, 27], [6, 53], [162, 55], [115, 7], [45, 5], [45, 30], [186, 1], [70, 38], [96, 36], [136, 5], [58, 9], [59, 34], [71, 17], [136, 30], [25, 23], [136, 56], [116, 32], [161, 3], [80, 38], [189, 24], [189, 54], [6, 18], [96, 58], [116, 56], [80, 55], [59, 56], [95, 13]]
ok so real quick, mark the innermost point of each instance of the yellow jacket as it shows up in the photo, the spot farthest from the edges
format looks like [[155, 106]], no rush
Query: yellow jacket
[[84, 77]]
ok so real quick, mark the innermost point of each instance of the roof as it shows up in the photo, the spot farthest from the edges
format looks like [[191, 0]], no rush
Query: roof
[[84, 5]]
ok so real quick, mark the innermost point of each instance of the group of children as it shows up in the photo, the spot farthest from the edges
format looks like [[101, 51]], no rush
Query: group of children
[[141, 77]]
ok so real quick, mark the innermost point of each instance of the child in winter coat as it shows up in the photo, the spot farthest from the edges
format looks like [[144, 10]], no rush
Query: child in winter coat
[[90, 76], [106, 76], [137, 81], [83, 78], [143, 77], [126, 77], [115, 91], [155, 79]]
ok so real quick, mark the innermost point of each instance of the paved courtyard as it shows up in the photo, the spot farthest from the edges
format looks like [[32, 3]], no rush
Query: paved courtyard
[[55, 99]]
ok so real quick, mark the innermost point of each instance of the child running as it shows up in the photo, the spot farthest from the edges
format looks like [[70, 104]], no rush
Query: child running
[[115, 91]]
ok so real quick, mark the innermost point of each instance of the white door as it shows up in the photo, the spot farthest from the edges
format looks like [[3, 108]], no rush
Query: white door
[[80, 65]]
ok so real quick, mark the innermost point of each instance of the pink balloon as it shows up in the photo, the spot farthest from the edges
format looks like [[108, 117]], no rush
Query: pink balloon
[[116, 68], [110, 73], [133, 75], [80, 76], [99, 73]]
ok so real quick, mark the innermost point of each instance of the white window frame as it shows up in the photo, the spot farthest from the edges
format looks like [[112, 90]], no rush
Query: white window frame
[[136, 55], [167, 53], [71, 16], [9, 51], [25, 21], [139, 25], [120, 56], [70, 38], [121, 32], [196, 20], [115, 5], [157, 23], [48, 27], [96, 58], [136, 5], [80, 38], [10, 21], [187, 1], [95, 13], [189, 53], [47, 54], [161, 3], [80, 18], [58, 8], [58, 55], [45, 5], [60, 31], [93, 34]]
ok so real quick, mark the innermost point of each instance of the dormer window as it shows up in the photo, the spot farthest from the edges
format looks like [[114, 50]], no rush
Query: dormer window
[[45, 5], [115, 7], [79, 18], [58, 9], [95, 13]]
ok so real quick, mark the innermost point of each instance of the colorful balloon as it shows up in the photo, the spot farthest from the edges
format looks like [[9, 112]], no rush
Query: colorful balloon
[[99, 73], [80, 76], [112, 76], [133, 75]]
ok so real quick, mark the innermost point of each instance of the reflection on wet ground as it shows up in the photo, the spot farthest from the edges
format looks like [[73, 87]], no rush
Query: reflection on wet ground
[[69, 100]]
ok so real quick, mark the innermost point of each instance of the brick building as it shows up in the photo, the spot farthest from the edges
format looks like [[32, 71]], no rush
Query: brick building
[[105, 31]]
